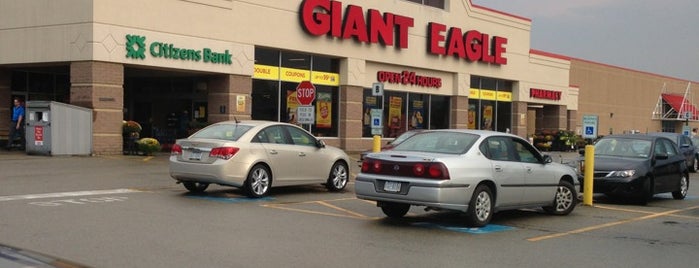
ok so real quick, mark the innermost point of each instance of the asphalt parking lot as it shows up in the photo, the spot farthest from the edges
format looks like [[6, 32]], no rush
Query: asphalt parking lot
[[107, 211]]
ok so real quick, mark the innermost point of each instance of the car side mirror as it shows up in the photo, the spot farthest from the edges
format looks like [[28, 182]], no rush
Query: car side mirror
[[320, 144], [547, 159]]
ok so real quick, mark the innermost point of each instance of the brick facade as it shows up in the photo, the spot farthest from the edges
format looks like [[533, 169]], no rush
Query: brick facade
[[225, 92], [350, 132], [99, 86], [459, 112]]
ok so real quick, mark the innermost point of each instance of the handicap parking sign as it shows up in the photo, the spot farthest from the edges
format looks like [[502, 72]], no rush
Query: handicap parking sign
[[590, 126]]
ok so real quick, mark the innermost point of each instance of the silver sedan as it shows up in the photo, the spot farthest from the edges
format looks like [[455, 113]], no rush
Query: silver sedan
[[476, 172], [256, 155]]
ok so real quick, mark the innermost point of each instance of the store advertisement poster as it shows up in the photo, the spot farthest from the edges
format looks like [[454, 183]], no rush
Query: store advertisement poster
[[291, 104], [323, 110], [416, 115], [394, 112], [488, 117], [472, 116]]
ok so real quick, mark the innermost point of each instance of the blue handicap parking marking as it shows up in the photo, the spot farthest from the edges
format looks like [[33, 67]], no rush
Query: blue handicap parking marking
[[231, 200], [490, 228]]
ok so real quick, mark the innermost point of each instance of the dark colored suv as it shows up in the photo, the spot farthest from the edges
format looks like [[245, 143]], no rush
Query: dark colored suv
[[686, 146]]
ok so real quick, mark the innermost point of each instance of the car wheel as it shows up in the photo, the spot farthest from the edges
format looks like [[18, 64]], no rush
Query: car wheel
[[480, 209], [395, 210], [339, 175], [684, 187], [195, 187], [564, 200], [258, 182]]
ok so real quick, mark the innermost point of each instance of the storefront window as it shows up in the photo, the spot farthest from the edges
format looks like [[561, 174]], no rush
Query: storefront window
[[417, 108], [50, 84], [490, 104], [405, 111], [278, 74], [440, 109]]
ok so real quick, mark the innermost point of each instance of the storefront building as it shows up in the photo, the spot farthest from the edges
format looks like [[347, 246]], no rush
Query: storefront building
[[631, 101], [440, 64]]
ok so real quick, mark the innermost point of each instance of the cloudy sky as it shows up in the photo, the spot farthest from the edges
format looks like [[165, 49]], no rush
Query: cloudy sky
[[660, 37]]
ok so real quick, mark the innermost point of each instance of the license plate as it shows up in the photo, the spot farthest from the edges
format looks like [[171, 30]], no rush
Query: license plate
[[195, 156], [391, 186]]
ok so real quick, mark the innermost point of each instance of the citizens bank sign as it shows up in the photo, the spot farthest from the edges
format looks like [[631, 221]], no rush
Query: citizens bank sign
[[330, 18], [136, 49]]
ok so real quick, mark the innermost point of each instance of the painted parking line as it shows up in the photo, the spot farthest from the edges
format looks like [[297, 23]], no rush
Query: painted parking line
[[67, 194], [231, 200], [341, 212], [490, 228], [644, 212], [605, 225]]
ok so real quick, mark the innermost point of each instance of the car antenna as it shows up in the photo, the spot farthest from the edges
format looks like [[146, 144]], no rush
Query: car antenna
[[236, 120]]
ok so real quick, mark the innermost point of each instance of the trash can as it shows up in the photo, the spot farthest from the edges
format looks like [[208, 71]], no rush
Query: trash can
[[54, 128]]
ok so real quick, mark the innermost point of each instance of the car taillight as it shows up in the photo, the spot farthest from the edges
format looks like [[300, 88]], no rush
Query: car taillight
[[428, 170], [176, 150], [438, 171], [419, 169], [224, 152]]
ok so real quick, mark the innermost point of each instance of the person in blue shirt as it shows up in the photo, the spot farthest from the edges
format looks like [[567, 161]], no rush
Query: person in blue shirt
[[16, 124]]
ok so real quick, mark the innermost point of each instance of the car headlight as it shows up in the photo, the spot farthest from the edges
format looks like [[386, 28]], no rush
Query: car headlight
[[621, 173]]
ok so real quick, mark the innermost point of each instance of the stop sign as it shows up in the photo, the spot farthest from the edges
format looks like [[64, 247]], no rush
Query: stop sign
[[305, 93]]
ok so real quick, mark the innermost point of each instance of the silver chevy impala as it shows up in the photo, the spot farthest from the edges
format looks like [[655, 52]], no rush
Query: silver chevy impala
[[255, 156], [473, 171]]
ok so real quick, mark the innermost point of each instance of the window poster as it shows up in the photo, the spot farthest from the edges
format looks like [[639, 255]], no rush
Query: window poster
[[394, 115], [472, 116], [487, 117], [323, 110], [416, 112], [291, 104]]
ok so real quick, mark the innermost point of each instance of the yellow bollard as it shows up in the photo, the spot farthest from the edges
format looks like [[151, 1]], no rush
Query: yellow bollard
[[589, 174], [377, 144]]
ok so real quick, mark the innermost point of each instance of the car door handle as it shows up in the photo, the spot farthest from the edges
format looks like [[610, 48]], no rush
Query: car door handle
[[498, 169], [529, 170], [302, 154], [273, 152]]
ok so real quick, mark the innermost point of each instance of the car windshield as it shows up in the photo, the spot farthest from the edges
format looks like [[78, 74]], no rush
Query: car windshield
[[623, 147], [439, 142], [230, 132]]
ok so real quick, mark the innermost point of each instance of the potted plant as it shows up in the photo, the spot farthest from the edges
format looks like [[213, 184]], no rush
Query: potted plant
[[131, 131], [148, 145]]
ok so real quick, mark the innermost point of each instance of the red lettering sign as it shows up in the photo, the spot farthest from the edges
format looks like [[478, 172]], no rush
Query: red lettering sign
[[408, 78], [38, 133], [320, 17], [473, 45], [544, 94], [305, 93]]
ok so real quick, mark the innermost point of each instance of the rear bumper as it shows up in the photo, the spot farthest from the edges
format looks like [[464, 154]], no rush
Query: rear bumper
[[436, 195]]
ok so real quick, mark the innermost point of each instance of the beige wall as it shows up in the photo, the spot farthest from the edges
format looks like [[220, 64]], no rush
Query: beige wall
[[622, 99], [75, 30], [43, 31]]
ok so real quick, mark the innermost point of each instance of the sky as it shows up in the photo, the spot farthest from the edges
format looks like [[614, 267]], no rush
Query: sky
[[660, 37]]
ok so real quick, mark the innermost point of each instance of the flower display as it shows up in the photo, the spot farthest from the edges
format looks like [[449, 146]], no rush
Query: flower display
[[148, 145], [129, 127]]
